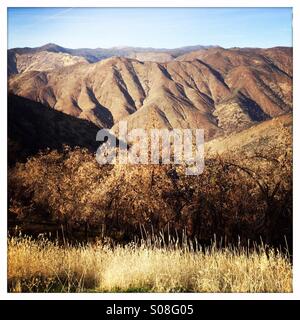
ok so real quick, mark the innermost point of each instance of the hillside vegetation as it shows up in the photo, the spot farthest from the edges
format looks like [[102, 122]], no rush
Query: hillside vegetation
[[242, 193]]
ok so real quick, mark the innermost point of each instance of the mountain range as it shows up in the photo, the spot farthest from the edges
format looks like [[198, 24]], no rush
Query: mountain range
[[94, 55], [217, 89]]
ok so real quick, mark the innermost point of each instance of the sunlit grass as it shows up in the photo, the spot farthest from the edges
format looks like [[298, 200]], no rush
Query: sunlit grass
[[44, 266]]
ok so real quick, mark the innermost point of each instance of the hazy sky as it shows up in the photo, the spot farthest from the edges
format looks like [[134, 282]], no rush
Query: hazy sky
[[144, 27]]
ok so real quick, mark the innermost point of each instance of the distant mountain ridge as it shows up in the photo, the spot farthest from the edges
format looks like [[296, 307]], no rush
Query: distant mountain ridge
[[97, 54]]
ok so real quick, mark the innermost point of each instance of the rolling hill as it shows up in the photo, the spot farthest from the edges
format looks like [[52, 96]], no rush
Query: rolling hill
[[220, 90]]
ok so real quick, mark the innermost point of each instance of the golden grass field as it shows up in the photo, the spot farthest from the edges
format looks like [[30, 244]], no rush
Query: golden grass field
[[44, 266]]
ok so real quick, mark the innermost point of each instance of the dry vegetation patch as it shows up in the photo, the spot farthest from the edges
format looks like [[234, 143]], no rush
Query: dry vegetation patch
[[44, 266]]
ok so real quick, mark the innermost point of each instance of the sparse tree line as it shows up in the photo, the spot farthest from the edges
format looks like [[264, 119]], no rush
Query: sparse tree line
[[245, 195]]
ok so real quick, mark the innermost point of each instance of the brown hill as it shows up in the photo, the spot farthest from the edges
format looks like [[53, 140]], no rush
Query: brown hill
[[33, 127], [40, 61], [225, 59], [217, 89], [259, 137], [44, 61]]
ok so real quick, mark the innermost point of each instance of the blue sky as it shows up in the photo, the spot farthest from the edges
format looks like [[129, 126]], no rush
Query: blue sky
[[149, 27]]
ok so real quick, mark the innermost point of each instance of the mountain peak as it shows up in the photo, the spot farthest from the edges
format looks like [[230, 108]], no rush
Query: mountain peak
[[52, 47]]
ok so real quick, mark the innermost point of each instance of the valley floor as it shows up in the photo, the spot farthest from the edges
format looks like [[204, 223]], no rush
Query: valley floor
[[44, 266]]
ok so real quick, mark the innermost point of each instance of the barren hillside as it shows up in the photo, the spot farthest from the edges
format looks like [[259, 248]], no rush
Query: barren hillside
[[218, 90]]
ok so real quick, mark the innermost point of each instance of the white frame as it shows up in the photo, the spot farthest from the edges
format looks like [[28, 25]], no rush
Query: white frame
[[4, 4]]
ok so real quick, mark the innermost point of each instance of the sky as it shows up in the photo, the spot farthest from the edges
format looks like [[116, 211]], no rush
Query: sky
[[149, 27]]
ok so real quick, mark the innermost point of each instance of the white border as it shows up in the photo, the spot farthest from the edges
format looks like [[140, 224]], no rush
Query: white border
[[4, 4]]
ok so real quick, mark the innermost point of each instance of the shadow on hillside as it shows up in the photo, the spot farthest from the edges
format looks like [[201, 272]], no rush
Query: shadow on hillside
[[33, 127]]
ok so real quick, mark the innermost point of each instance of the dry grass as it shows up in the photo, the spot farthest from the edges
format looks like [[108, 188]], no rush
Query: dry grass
[[43, 266]]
